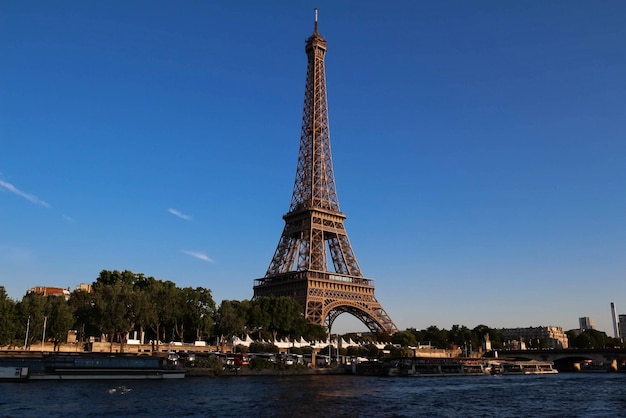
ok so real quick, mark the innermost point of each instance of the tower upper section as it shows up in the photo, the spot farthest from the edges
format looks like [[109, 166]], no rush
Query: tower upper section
[[314, 186]]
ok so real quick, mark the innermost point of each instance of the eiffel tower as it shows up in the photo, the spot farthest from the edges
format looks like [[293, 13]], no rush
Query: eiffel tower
[[314, 232]]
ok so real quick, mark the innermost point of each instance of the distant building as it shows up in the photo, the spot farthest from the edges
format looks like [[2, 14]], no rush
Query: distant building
[[49, 291], [586, 323], [622, 326], [84, 287], [616, 333], [535, 337]]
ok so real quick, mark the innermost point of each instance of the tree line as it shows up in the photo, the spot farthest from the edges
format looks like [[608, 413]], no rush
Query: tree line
[[121, 303]]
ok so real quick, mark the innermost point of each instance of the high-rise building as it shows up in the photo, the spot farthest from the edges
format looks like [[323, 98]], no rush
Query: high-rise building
[[616, 332], [585, 323], [622, 327]]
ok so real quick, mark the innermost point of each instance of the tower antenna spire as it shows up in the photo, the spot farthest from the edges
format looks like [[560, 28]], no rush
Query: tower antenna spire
[[315, 19]]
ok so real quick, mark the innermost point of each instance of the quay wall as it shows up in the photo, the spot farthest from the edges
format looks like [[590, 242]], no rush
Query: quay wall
[[106, 347]]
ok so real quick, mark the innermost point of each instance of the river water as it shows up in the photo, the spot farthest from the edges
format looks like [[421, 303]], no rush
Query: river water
[[562, 395]]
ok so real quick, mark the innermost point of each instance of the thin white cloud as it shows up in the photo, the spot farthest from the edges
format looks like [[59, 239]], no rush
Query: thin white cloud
[[198, 255], [179, 214], [34, 199]]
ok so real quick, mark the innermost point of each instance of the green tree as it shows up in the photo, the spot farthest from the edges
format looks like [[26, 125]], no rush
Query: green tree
[[168, 304], [108, 277], [145, 311], [591, 338], [8, 318], [462, 336], [314, 332], [433, 335], [163, 308], [494, 336], [117, 304], [393, 350], [231, 317], [113, 302], [259, 347], [31, 315], [282, 316], [198, 312], [85, 315], [371, 351], [404, 339], [60, 317]]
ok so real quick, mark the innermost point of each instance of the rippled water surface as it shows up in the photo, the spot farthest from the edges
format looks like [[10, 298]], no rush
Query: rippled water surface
[[563, 395]]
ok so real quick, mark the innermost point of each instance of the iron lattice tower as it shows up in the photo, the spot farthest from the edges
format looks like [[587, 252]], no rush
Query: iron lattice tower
[[314, 235]]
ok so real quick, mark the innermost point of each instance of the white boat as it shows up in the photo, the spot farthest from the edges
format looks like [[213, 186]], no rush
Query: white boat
[[526, 367], [13, 373]]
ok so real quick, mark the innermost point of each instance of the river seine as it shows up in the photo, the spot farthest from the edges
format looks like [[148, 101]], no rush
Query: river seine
[[562, 395]]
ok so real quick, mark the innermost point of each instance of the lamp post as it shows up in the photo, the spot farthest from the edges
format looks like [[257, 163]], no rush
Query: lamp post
[[27, 330], [330, 347], [43, 335]]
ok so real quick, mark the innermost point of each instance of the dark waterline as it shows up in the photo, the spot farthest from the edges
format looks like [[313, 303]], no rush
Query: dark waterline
[[563, 395]]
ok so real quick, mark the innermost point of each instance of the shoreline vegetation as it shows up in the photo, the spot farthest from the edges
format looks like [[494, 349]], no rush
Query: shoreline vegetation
[[121, 310]]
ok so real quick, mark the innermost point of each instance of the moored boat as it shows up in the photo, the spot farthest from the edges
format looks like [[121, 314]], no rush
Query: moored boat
[[525, 367], [89, 366], [423, 367], [591, 366], [11, 374]]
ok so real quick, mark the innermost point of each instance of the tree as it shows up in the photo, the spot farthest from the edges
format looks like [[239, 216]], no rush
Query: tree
[[113, 302], [8, 318], [168, 303], [85, 315], [162, 308], [31, 315], [282, 316], [494, 335], [436, 337], [198, 312], [60, 317], [404, 339], [314, 332], [116, 304], [231, 317], [259, 347], [591, 338], [461, 336], [145, 311]]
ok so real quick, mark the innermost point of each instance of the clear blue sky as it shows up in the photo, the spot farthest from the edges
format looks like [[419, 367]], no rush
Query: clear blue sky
[[479, 148]]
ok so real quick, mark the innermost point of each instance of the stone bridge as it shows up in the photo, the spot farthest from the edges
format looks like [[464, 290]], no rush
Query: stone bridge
[[567, 359]]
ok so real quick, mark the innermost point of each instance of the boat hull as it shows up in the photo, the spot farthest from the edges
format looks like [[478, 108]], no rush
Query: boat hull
[[109, 375], [31, 366]]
